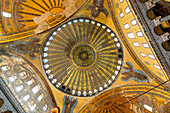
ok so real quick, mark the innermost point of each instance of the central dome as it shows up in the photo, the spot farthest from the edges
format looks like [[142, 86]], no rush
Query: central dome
[[82, 57]]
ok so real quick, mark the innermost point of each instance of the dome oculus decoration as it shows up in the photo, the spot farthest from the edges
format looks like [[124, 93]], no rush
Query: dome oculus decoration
[[82, 57]]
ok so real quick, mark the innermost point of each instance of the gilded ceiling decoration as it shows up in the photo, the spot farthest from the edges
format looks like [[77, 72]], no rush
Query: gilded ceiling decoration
[[166, 108], [84, 56], [129, 99], [25, 18], [25, 84], [77, 55], [134, 38]]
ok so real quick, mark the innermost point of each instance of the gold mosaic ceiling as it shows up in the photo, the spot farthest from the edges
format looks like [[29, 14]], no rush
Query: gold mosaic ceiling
[[92, 55]]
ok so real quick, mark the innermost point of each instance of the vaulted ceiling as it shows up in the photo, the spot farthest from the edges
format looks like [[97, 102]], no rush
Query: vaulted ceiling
[[84, 56]]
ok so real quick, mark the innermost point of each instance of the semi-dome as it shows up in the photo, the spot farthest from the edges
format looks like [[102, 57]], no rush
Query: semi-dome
[[25, 85]]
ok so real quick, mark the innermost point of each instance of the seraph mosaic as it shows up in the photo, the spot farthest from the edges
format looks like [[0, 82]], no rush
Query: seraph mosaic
[[30, 47], [69, 103], [136, 75], [97, 7]]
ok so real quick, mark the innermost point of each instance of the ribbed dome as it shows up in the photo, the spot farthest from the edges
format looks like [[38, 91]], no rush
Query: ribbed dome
[[25, 85], [82, 57]]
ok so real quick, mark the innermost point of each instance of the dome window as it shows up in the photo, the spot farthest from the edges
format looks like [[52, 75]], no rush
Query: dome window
[[40, 97], [23, 74], [121, 1], [126, 26], [121, 14], [36, 89], [140, 34], [151, 56], [131, 35], [136, 44], [145, 45], [12, 79], [143, 54], [25, 98], [45, 107], [148, 107], [156, 66], [6, 14], [33, 107], [5, 68], [30, 82], [133, 22], [19, 88], [127, 10]]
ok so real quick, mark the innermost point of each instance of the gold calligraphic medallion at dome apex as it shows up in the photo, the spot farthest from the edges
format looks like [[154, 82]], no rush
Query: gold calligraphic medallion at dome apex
[[82, 57]]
